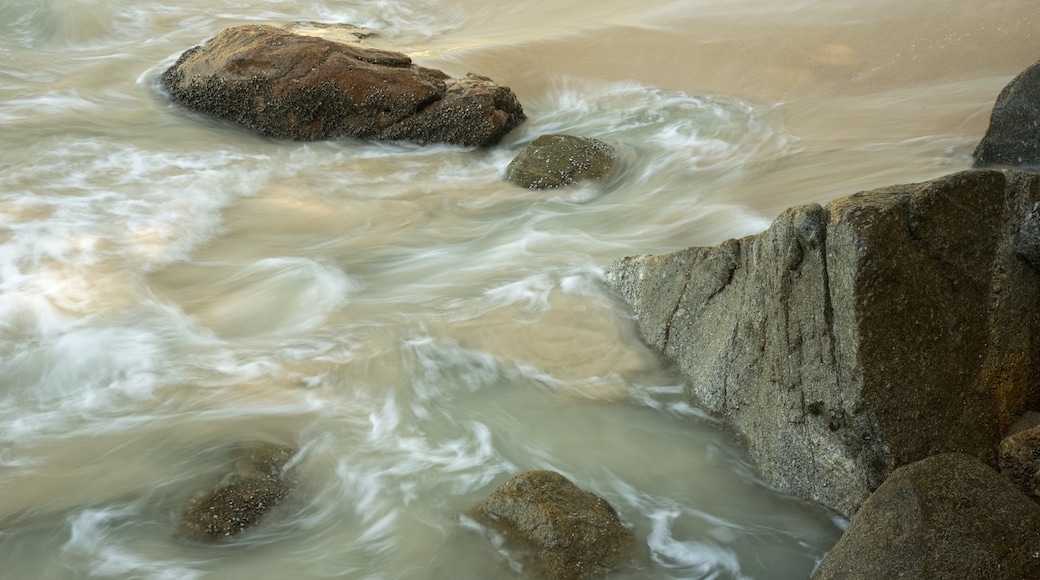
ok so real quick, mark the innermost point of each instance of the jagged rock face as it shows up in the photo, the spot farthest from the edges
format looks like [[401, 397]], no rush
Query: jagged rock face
[[575, 534], [552, 161], [948, 516], [846, 341], [1013, 136], [258, 484], [304, 87]]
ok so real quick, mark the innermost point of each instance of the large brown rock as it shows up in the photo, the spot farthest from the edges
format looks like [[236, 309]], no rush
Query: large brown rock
[[1013, 136], [948, 516], [574, 534], [849, 340], [306, 87]]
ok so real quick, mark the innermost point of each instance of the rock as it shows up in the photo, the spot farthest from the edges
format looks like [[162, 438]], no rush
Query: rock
[[574, 533], [552, 161], [1019, 460], [846, 341], [1029, 237], [258, 484], [1013, 136], [302, 85], [948, 516], [1028, 420], [263, 458]]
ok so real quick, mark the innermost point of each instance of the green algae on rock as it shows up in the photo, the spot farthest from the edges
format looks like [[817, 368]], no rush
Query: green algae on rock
[[575, 534], [552, 161]]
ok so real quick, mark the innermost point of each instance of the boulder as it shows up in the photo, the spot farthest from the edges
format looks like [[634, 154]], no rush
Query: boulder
[[1019, 460], [1013, 136], [301, 85], [574, 534], [846, 341], [258, 483], [948, 516], [552, 161]]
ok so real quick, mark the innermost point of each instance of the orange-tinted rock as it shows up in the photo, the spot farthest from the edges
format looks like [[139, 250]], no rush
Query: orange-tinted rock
[[305, 87]]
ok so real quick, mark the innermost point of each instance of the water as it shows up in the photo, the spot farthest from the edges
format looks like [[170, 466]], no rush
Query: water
[[172, 286]]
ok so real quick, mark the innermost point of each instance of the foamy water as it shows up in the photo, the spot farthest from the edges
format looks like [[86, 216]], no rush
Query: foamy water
[[172, 286]]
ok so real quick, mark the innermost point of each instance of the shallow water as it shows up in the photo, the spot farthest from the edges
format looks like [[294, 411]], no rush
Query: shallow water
[[172, 286]]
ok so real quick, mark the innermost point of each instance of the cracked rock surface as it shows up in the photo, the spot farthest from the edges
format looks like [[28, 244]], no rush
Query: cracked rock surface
[[310, 84], [846, 341]]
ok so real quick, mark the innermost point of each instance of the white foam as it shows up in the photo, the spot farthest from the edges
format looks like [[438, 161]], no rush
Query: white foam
[[697, 558], [667, 128], [531, 293], [155, 206], [284, 295], [95, 539]]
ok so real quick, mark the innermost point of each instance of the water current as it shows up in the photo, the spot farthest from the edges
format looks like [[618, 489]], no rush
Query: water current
[[172, 286]]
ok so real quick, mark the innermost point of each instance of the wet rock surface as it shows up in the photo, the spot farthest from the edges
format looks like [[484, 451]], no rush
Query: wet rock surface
[[258, 484], [1019, 460], [574, 534], [948, 516], [552, 161], [299, 84], [846, 341], [1013, 136]]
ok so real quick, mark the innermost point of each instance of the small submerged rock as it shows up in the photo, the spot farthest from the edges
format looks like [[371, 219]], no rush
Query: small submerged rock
[[552, 161], [318, 81], [258, 484], [574, 534]]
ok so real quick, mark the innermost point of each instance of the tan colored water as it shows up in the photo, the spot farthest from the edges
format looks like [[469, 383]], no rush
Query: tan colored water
[[171, 286]]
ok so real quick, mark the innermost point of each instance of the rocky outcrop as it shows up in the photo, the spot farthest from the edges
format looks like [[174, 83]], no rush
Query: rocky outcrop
[[1013, 136], [1019, 460], [574, 534], [948, 516], [258, 483], [302, 85], [849, 340], [552, 161]]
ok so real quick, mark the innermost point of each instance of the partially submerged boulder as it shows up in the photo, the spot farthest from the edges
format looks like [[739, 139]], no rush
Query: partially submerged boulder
[[574, 534], [552, 161], [1013, 136], [258, 484], [948, 516], [302, 85], [1019, 460], [846, 341]]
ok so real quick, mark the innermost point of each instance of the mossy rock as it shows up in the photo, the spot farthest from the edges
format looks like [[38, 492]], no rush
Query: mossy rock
[[552, 161], [573, 534]]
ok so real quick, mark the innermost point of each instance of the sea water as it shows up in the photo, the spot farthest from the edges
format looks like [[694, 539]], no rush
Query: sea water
[[173, 286]]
